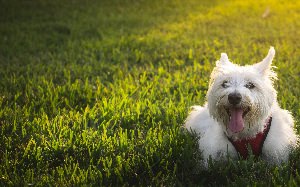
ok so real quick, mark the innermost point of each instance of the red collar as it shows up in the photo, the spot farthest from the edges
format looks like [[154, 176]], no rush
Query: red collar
[[256, 143]]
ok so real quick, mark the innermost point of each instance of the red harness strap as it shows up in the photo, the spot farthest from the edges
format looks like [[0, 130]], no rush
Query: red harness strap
[[256, 143]]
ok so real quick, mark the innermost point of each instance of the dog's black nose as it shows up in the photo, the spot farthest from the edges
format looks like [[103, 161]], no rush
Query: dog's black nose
[[234, 98]]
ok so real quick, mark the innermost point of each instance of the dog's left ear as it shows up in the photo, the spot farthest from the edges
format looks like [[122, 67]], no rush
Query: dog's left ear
[[265, 65], [223, 60]]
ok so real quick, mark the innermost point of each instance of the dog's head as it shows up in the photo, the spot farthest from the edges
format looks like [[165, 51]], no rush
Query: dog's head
[[241, 97]]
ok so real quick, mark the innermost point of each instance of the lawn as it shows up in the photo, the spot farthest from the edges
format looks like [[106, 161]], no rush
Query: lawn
[[96, 92]]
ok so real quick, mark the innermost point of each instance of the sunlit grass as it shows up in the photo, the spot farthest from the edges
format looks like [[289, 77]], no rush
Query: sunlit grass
[[96, 92]]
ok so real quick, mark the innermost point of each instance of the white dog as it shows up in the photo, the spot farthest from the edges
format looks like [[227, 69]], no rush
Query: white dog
[[242, 114]]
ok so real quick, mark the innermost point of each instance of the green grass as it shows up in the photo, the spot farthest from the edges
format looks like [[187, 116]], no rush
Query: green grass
[[96, 92]]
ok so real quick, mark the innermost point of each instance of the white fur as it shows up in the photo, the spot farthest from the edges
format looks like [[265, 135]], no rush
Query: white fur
[[210, 121]]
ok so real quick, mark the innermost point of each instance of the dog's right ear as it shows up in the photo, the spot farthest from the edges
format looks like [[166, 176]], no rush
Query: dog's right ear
[[264, 67], [223, 60]]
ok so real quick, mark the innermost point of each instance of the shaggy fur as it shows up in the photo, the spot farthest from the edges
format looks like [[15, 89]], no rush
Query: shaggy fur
[[258, 101]]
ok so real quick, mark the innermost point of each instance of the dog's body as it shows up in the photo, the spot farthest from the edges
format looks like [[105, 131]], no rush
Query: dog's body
[[241, 102]]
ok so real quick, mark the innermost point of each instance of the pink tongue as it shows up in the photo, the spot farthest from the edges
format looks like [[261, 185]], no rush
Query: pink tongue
[[236, 123]]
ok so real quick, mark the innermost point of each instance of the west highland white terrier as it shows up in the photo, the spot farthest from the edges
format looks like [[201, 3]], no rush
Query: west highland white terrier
[[242, 114]]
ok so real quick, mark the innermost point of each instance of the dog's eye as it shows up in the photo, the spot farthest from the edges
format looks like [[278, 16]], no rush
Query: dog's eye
[[249, 85], [225, 84]]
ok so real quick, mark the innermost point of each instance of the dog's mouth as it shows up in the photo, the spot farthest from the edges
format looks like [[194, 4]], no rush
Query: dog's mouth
[[245, 111], [236, 118]]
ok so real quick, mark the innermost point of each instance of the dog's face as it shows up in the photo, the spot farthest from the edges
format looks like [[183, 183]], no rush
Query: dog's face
[[239, 96]]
